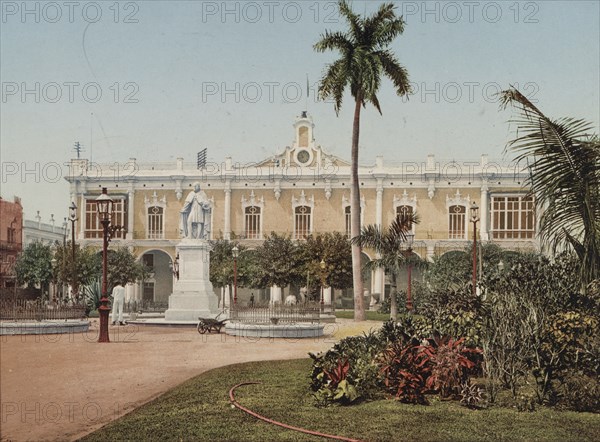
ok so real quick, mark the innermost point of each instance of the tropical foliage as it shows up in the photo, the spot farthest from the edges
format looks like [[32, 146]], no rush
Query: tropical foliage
[[531, 339], [390, 245], [365, 58], [563, 157], [85, 269], [34, 265]]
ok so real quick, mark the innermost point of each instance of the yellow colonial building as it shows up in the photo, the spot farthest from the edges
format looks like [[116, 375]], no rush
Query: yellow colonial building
[[302, 190]]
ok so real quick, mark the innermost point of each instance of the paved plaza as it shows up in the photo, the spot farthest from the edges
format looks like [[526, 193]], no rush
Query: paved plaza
[[61, 387]]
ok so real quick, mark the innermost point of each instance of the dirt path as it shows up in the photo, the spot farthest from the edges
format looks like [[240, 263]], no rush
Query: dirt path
[[60, 387]]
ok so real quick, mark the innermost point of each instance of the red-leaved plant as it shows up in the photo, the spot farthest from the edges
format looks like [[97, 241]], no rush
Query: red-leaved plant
[[450, 365], [338, 374], [405, 369]]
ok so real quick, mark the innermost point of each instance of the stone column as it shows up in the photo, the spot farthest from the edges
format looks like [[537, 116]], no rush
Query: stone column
[[130, 212], [430, 252], [275, 295], [379, 274], [129, 292], [483, 213], [327, 295], [80, 202], [227, 221]]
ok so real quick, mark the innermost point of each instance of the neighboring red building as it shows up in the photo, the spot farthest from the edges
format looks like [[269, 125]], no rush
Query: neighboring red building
[[11, 239]]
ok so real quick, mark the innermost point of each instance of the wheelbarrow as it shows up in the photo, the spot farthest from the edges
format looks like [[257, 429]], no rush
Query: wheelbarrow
[[210, 324]]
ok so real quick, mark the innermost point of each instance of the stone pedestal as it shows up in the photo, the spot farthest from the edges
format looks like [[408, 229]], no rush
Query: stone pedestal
[[193, 294]]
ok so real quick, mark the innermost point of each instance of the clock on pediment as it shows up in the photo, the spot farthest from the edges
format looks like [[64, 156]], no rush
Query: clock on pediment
[[303, 157]]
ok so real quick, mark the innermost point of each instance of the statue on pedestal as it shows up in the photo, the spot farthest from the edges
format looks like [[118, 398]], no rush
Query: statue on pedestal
[[195, 215]]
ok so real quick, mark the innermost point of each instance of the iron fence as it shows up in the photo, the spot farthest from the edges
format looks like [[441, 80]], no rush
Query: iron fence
[[276, 314], [145, 307], [27, 310]]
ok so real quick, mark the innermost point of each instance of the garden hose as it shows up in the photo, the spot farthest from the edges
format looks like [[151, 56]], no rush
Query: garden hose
[[271, 421]]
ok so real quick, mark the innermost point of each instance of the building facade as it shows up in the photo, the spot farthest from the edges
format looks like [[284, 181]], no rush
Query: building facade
[[303, 190], [11, 240], [46, 233]]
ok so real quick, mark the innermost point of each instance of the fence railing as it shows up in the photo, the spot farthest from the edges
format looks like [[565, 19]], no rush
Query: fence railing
[[276, 314], [145, 306], [26, 310]]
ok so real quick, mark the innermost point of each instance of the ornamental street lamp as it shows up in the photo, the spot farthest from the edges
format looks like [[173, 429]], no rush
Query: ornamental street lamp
[[104, 208], [410, 237], [54, 269], [474, 219], [73, 219], [235, 252], [322, 264]]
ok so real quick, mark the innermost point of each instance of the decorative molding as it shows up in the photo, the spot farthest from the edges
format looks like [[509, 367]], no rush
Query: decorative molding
[[431, 189], [253, 201], [277, 190], [303, 201], [458, 200], [405, 200], [346, 201], [154, 200], [328, 189]]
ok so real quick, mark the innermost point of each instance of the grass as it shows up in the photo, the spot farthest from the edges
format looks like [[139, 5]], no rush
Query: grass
[[370, 315], [199, 410]]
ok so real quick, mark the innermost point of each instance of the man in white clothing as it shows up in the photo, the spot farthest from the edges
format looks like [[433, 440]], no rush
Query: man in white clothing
[[118, 294]]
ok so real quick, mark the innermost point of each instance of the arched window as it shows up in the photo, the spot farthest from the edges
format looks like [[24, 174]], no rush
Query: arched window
[[302, 222], [252, 221], [348, 222], [155, 222], [457, 222], [403, 212]]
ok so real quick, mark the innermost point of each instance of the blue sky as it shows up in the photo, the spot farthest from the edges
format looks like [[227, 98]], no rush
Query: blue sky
[[164, 68]]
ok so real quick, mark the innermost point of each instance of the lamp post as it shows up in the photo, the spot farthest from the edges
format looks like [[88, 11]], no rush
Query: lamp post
[[410, 237], [104, 207], [73, 218], [53, 264], [474, 219], [235, 252], [322, 264]]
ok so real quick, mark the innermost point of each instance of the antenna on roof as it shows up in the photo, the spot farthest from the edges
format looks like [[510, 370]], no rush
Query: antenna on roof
[[202, 159], [78, 148]]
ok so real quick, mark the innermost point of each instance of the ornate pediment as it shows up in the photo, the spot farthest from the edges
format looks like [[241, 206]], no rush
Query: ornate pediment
[[405, 200], [154, 200], [303, 200], [253, 200], [458, 200]]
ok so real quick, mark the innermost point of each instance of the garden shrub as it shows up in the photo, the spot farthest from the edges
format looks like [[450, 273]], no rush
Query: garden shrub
[[361, 375], [581, 393], [450, 365], [405, 368]]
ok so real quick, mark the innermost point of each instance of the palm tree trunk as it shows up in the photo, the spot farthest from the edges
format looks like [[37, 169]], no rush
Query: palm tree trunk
[[359, 306], [393, 303]]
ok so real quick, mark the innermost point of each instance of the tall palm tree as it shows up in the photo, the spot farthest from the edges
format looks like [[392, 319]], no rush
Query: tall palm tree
[[389, 244], [365, 58], [564, 160]]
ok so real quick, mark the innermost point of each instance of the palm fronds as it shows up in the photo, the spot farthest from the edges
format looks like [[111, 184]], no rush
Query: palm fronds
[[564, 162]]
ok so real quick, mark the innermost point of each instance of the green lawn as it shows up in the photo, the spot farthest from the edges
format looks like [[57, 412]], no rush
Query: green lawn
[[371, 316], [200, 410]]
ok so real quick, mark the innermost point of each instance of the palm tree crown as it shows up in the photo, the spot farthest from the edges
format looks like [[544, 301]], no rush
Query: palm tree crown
[[364, 56]]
